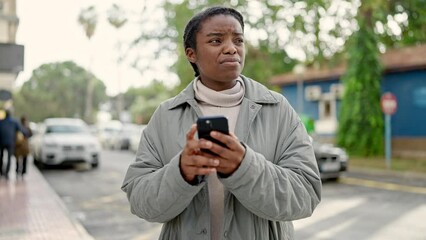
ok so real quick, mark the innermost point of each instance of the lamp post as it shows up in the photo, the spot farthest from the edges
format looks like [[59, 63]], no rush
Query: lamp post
[[299, 69]]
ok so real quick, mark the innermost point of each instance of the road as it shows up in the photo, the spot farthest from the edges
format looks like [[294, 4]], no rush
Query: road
[[360, 206], [95, 199]]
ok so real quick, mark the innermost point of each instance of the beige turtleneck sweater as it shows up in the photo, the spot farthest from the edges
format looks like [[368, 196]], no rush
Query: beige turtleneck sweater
[[227, 103]]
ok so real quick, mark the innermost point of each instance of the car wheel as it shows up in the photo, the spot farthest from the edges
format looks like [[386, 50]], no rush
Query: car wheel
[[333, 179], [95, 165]]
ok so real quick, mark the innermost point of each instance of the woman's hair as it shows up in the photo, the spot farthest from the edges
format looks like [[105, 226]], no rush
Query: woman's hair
[[193, 26]]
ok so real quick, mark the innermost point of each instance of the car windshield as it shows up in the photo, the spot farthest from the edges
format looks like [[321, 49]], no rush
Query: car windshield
[[66, 129]]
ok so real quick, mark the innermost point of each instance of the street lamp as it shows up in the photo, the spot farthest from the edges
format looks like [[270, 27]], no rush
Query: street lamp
[[299, 69]]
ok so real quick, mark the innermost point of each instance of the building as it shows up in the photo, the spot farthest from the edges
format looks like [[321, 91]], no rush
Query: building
[[11, 54], [318, 92]]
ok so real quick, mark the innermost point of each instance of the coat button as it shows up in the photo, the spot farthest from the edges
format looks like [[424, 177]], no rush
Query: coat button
[[225, 234], [252, 106], [204, 231]]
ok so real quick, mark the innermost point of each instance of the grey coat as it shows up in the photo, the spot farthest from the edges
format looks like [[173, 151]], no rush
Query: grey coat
[[277, 181]]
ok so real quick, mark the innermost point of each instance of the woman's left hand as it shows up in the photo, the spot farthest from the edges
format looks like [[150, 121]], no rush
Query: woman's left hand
[[229, 157]]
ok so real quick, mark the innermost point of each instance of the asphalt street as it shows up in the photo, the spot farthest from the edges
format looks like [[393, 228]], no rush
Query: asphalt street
[[363, 204]]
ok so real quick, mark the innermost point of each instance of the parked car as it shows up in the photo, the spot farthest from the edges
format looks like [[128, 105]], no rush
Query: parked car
[[65, 141], [120, 140], [135, 138], [332, 160], [106, 131]]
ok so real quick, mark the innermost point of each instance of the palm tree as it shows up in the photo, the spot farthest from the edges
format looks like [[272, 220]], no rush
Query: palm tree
[[88, 19], [117, 18]]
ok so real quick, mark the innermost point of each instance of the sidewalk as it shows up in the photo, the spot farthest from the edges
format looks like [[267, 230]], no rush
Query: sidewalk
[[30, 209]]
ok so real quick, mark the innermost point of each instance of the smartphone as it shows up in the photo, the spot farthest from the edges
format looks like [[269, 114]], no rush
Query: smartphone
[[212, 123]]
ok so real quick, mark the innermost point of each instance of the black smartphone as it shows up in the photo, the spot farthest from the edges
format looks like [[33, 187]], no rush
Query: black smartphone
[[212, 123]]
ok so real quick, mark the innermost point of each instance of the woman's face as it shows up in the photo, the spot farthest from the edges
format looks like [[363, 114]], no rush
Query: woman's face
[[220, 52]]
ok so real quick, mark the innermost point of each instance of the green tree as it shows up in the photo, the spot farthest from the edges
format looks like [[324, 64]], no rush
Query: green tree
[[386, 24], [143, 101], [257, 59], [400, 22], [360, 128], [55, 90], [88, 19], [271, 27]]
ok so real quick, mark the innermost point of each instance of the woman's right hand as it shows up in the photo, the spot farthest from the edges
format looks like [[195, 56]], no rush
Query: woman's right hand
[[192, 162]]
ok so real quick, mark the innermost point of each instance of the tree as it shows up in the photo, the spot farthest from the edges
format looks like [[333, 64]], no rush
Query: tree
[[400, 22], [117, 18], [55, 90], [360, 128], [142, 102], [382, 25], [272, 29], [88, 19], [177, 17]]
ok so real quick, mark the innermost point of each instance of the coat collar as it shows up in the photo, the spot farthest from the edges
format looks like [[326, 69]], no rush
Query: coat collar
[[255, 92]]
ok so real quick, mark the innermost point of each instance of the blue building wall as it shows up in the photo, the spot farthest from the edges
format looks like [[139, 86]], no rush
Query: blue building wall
[[310, 108], [409, 89]]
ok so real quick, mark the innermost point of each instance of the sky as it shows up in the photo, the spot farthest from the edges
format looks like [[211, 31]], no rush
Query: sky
[[50, 32]]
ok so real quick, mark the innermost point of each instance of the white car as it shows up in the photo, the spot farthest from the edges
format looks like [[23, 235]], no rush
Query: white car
[[65, 141], [106, 131], [121, 140], [135, 138]]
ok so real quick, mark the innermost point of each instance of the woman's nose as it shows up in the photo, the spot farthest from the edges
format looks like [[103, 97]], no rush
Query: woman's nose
[[229, 48]]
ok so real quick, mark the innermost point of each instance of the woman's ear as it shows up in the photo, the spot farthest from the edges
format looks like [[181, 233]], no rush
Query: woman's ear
[[190, 55]]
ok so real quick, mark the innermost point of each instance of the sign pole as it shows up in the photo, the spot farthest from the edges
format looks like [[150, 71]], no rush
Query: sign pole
[[388, 139], [389, 105]]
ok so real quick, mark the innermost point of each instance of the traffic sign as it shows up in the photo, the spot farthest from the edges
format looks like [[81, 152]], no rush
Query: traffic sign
[[388, 103]]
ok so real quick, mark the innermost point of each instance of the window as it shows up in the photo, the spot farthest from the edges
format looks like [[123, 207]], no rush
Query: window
[[327, 107]]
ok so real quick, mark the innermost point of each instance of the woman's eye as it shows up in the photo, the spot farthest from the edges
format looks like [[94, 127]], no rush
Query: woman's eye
[[240, 40]]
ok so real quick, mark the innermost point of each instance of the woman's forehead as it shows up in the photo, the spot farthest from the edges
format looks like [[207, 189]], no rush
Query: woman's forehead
[[221, 23]]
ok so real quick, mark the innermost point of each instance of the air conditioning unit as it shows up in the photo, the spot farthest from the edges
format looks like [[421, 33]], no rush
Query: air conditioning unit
[[312, 93], [337, 90]]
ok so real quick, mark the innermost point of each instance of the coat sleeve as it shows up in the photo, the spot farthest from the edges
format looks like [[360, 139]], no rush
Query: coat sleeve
[[155, 187], [285, 189]]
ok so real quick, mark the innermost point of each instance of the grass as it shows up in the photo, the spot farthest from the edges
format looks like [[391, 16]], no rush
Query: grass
[[397, 164]]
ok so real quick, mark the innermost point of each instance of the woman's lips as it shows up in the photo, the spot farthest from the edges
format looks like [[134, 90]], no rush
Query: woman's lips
[[230, 62]]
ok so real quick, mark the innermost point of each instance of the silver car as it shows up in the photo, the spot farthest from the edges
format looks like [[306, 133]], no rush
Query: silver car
[[65, 141], [332, 161]]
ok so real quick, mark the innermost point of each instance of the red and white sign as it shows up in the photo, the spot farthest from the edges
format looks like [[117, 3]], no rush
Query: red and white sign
[[388, 103]]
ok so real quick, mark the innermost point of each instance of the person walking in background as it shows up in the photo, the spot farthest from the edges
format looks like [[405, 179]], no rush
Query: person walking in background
[[9, 127], [265, 176], [22, 148]]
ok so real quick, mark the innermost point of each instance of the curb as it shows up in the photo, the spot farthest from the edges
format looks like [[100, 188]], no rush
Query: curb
[[391, 173], [78, 226]]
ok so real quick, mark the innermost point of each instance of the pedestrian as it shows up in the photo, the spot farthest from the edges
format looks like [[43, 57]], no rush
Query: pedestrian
[[22, 148], [9, 127], [264, 178]]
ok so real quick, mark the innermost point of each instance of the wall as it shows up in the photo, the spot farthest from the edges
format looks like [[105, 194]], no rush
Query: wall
[[408, 123], [410, 91], [310, 108]]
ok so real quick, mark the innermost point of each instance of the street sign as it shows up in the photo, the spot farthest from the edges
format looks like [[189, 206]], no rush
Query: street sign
[[388, 103], [389, 106]]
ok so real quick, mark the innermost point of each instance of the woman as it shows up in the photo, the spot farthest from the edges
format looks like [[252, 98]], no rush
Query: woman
[[22, 148], [266, 175]]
